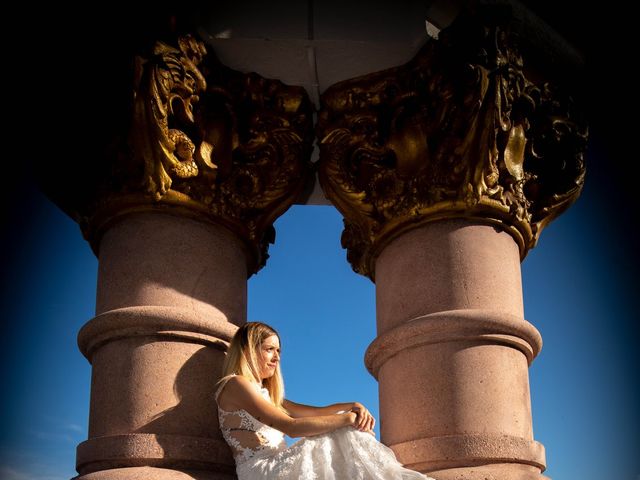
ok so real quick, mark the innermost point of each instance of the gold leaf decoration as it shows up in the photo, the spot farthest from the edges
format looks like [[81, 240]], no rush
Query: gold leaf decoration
[[166, 91], [459, 131], [211, 142]]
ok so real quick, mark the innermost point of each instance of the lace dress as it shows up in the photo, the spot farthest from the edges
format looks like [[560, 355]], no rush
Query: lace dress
[[261, 453]]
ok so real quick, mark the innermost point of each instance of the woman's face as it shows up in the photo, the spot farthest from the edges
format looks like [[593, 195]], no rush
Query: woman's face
[[269, 356]]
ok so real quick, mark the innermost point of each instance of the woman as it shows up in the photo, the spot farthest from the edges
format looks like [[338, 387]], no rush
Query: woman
[[254, 417]]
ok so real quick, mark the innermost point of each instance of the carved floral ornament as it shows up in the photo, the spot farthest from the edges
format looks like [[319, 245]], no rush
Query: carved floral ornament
[[459, 131], [209, 141]]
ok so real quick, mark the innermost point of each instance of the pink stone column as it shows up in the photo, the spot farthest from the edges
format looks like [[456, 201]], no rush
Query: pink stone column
[[452, 354], [171, 291], [192, 162]]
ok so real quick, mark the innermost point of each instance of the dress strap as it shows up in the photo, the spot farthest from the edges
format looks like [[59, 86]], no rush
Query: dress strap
[[221, 384]]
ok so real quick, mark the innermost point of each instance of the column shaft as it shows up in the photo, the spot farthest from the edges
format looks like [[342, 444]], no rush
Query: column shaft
[[171, 292], [452, 353]]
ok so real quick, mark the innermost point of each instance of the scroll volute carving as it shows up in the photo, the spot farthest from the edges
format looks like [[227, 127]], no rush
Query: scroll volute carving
[[167, 89], [206, 140], [459, 131]]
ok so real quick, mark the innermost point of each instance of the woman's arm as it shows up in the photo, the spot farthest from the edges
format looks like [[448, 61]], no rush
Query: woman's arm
[[298, 410], [364, 422], [239, 393]]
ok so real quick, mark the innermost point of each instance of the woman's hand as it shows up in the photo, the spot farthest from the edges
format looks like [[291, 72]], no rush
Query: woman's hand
[[353, 418], [364, 420]]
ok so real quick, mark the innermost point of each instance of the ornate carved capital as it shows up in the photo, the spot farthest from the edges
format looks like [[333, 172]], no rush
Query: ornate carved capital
[[460, 131], [210, 142]]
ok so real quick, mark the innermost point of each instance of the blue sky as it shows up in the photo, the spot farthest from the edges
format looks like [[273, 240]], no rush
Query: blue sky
[[578, 291]]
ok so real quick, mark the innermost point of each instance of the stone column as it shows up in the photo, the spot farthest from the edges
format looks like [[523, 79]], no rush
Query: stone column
[[171, 291], [446, 170], [182, 217]]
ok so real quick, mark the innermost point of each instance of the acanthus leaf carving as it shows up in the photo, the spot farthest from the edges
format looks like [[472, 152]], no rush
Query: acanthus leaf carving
[[167, 89], [459, 131], [229, 147]]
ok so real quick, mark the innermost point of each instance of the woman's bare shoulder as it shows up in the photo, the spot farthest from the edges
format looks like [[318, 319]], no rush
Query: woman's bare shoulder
[[236, 386], [240, 382]]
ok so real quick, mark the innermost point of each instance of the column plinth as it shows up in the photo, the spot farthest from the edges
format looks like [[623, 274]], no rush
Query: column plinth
[[145, 473]]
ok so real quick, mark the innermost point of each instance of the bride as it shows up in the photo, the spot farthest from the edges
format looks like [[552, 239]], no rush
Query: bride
[[254, 417]]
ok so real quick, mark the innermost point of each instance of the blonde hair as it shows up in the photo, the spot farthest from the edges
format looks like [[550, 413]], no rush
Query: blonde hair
[[243, 359]]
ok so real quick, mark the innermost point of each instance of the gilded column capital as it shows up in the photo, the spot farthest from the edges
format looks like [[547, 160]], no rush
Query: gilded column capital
[[462, 130], [209, 142]]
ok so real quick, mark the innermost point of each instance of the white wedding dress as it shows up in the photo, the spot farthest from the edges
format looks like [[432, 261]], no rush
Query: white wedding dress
[[261, 452]]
